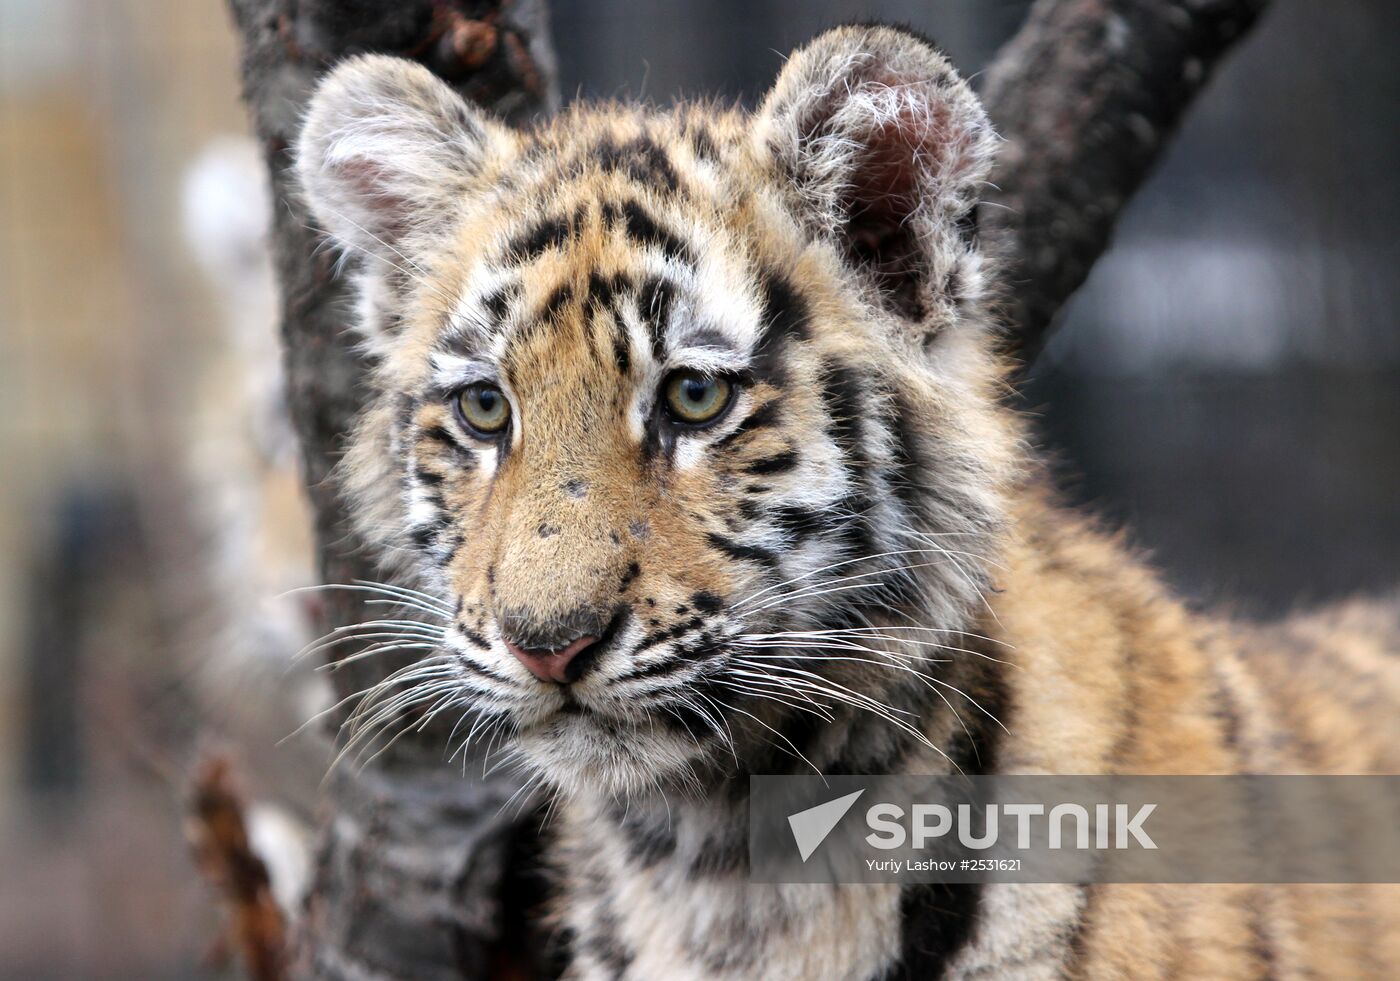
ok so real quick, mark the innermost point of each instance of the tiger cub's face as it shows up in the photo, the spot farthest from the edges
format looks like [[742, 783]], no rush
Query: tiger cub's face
[[687, 416]]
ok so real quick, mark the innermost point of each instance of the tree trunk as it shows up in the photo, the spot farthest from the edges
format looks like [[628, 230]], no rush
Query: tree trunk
[[412, 858], [1087, 95]]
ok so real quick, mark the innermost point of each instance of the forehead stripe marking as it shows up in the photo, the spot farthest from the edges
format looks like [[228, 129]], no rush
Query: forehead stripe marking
[[603, 289], [602, 297], [702, 143], [622, 348], [643, 228], [497, 304], [654, 303], [640, 158], [556, 301], [549, 233]]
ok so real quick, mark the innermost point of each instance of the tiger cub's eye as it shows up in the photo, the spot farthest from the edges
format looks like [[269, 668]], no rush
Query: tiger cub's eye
[[696, 399], [483, 409]]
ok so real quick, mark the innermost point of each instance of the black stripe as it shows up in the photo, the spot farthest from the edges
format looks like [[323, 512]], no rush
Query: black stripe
[[843, 395], [622, 350], [550, 233], [784, 319], [745, 553], [482, 670], [556, 300], [974, 749], [425, 536], [640, 158], [438, 434], [1263, 945], [966, 224], [765, 415], [908, 462], [779, 463], [705, 602], [658, 669], [642, 227], [603, 289], [405, 405], [649, 838], [476, 639], [654, 303], [797, 522], [702, 142], [785, 312], [724, 855], [458, 542], [843, 391], [601, 939], [669, 633], [465, 458], [497, 304], [939, 919], [602, 296]]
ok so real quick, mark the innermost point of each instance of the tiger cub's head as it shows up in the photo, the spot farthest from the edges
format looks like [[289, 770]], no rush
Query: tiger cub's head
[[689, 417]]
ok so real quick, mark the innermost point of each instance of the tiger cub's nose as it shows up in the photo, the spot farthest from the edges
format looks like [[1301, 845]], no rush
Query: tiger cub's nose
[[557, 648], [562, 666]]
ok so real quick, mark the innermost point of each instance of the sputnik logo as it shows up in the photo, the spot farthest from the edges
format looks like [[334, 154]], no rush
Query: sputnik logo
[[810, 827]]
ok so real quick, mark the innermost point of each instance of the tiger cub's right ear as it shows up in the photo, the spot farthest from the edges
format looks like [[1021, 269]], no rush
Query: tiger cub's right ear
[[883, 151], [387, 151]]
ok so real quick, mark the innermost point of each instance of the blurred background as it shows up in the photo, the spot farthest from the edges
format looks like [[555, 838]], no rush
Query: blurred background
[[1227, 385]]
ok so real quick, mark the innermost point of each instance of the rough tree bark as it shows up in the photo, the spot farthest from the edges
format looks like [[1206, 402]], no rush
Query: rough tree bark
[[413, 859], [1087, 95]]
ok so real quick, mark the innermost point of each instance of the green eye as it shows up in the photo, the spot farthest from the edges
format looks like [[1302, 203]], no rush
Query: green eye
[[696, 399], [483, 409]]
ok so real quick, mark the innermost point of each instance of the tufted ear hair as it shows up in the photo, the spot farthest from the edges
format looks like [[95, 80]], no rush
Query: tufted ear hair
[[884, 148], [388, 151]]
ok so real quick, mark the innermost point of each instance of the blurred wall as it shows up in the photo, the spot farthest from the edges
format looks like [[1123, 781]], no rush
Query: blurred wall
[[1228, 381], [103, 331]]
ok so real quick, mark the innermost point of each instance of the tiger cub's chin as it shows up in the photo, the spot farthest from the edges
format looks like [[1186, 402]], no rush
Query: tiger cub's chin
[[580, 754]]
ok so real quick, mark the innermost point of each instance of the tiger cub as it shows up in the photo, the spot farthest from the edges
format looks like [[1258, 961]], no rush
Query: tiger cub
[[676, 409]]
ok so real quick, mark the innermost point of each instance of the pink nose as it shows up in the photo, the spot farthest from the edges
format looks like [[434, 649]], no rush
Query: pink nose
[[562, 666]]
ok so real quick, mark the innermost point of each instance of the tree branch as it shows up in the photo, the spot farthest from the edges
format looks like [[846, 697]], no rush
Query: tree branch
[[219, 836], [1086, 95], [412, 857]]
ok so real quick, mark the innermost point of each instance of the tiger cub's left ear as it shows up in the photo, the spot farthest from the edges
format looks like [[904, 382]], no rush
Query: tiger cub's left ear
[[388, 153], [884, 148]]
